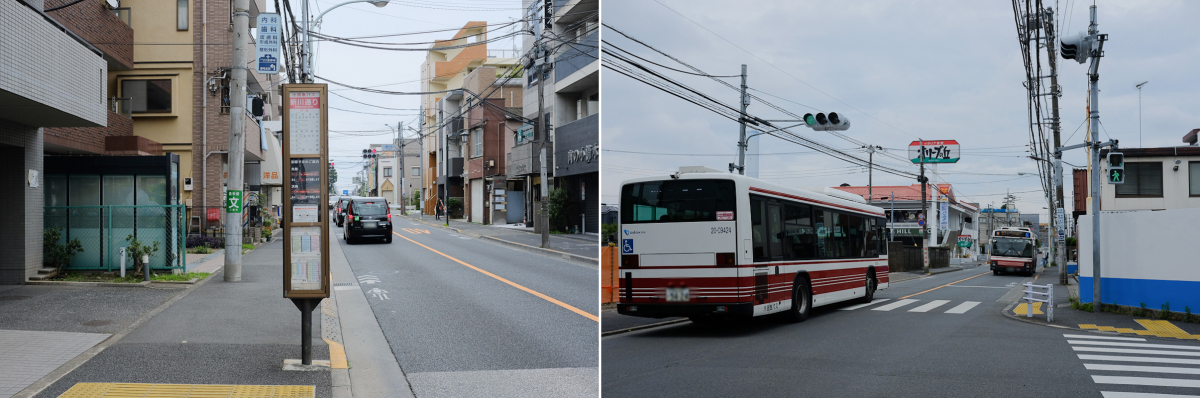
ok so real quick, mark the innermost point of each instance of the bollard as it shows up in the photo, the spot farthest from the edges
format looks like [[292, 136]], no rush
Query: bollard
[[1049, 300], [146, 266], [121, 251]]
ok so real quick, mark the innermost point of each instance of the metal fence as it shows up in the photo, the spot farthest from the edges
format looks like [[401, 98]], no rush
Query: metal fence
[[103, 230]]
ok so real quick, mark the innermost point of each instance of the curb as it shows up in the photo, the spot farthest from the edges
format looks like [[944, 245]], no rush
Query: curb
[[575, 258], [642, 327], [98, 284], [187, 282]]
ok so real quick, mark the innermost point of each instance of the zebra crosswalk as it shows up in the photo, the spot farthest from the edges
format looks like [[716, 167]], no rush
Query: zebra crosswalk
[[928, 306], [1131, 361]]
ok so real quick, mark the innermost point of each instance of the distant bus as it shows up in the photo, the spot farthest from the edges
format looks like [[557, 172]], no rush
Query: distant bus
[[708, 245], [1013, 249]]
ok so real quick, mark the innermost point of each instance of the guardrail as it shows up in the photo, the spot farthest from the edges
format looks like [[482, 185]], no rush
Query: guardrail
[[1029, 299]]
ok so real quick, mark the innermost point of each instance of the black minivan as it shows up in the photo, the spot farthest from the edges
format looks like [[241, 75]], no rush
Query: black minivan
[[339, 209], [367, 218]]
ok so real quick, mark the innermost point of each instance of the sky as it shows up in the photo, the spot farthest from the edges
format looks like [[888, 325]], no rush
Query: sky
[[352, 132], [940, 70]]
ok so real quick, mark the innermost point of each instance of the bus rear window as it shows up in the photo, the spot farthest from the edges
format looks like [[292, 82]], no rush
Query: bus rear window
[[677, 201]]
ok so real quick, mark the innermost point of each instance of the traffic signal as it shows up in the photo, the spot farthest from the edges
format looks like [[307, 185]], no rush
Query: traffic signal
[[1077, 47], [823, 122], [1116, 168]]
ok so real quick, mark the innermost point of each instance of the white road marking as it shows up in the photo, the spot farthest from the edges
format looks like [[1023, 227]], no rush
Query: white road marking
[[929, 306], [1146, 381], [1132, 351], [855, 307], [1138, 359], [1135, 368], [989, 287], [1142, 345], [1088, 336], [1112, 394], [964, 307], [895, 305], [379, 293]]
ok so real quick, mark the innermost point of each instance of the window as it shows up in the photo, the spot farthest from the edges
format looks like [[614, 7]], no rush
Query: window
[[181, 17], [800, 239], [477, 140], [416, 171], [676, 201], [1194, 178], [148, 96], [387, 171], [758, 229], [1142, 180]]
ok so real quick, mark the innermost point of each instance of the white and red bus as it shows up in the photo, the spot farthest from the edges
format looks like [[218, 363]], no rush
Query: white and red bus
[[707, 245], [1013, 250]]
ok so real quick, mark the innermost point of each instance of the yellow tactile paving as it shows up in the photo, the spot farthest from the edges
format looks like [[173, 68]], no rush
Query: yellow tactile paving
[[1023, 309], [123, 390], [337, 355], [1153, 328]]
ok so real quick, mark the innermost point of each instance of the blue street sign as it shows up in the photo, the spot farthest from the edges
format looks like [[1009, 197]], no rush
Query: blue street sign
[[267, 43], [345, 192], [921, 222]]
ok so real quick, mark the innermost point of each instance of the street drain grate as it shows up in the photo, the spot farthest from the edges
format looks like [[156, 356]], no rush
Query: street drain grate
[[12, 298], [343, 284]]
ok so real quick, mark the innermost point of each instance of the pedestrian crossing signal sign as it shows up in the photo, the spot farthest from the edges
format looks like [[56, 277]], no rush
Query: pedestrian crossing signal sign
[[1116, 176]]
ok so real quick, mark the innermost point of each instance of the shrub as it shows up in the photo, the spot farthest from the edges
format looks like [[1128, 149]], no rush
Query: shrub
[[210, 241], [137, 249], [454, 207], [1166, 311], [56, 254], [609, 231], [558, 206]]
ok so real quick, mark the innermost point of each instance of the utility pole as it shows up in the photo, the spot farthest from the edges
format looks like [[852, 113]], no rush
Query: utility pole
[[399, 175], [1057, 202], [421, 147], [870, 168], [1094, 115], [542, 61], [742, 127], [237, 140], [924, 211]]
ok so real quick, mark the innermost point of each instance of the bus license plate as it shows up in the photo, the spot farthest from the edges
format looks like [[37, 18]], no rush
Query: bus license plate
[[678, 294]]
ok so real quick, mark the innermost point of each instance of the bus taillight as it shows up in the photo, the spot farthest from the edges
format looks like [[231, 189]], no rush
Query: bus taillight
[[629, 261], [726, 260]]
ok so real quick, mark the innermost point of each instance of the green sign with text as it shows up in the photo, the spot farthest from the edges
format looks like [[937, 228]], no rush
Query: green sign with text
[[233, 201]]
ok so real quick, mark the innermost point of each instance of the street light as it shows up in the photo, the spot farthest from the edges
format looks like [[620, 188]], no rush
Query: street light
[[1139, 87], [306, 62]]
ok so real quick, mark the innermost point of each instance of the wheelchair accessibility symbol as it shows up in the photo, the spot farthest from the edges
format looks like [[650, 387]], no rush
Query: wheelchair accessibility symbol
[[627, 246]]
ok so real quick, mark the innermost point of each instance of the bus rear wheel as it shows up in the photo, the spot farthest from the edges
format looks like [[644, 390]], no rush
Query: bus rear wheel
[[801, 301]]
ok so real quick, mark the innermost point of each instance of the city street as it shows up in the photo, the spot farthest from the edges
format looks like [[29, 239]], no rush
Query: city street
[[941, 336], [467, 317]]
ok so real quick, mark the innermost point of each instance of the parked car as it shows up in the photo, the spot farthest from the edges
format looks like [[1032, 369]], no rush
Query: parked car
[[339, 209], [367, 218]]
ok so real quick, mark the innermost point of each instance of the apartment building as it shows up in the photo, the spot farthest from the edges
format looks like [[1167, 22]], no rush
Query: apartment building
[[446, 65]]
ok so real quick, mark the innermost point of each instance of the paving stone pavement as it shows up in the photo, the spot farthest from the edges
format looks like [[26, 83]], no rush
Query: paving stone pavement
[[26, 356]]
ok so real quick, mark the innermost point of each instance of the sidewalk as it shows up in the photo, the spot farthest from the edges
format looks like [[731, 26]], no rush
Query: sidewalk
[[1106, 322], [213, 333], [584, 249]]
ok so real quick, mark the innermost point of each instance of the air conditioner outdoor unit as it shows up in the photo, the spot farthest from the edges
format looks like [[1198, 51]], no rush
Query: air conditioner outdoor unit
[[187, 183]]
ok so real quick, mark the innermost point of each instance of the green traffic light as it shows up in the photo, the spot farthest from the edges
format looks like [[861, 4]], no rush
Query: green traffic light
[[810, 119], [1116, 176]]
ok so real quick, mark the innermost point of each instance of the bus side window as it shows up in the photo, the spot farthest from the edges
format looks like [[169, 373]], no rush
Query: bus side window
[[799, 234], [854, 236], [775, 226], [758, 229]]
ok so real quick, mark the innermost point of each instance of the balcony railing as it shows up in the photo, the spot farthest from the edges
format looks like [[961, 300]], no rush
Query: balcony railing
[[123, 13], [121, 106]]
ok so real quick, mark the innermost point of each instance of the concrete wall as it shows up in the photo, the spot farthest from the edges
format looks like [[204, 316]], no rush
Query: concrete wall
[[47, 78], [21, 205], [1175, 187], [1146, 257]]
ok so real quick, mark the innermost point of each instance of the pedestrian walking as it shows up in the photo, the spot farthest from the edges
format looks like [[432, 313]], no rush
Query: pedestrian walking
[[439, 210]]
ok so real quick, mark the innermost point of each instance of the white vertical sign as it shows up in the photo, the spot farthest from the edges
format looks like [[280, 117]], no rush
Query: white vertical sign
[[267, 44], [944, 213]]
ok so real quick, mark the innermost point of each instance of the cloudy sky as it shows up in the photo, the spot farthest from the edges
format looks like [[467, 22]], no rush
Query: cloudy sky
[[898, 70], [352, 132]]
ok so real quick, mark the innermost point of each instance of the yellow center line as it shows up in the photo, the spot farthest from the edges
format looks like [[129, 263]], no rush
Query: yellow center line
[[948, 284], [511, 283]]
